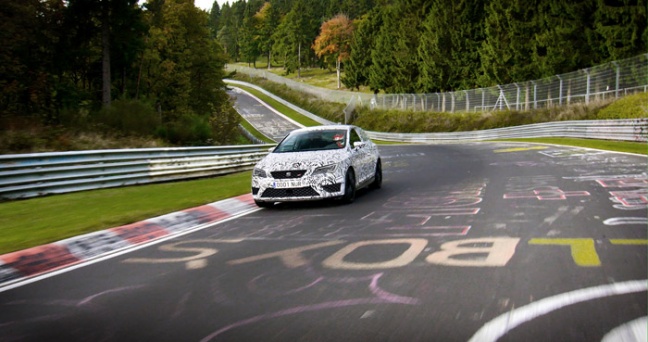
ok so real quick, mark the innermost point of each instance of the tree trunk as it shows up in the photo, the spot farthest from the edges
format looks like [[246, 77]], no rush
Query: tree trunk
[[105, 61], [299, 61], [338, 65]]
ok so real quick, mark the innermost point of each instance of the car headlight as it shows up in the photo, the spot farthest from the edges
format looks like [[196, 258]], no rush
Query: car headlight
[[261, 173], [323, 170]]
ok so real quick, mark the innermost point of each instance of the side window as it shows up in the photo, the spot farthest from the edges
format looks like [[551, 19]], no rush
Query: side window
[[354, 137], [363, 135]]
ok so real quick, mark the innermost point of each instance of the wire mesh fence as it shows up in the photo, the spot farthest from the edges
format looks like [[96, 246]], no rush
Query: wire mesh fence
[[611, 80], [602, 82]]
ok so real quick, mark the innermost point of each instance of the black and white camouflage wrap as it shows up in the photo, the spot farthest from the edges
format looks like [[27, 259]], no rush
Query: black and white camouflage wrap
[[362, 160]]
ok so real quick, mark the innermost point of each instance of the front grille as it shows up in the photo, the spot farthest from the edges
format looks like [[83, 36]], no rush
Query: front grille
[[332, 187], [288, 174], [294, 192], [255, 191]]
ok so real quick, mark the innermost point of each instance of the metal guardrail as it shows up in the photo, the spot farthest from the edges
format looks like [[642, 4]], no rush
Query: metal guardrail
[[623, 130], [32, 175], [38, 174]]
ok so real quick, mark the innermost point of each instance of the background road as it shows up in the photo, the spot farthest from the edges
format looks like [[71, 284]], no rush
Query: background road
[[263, 118], [485, 241]]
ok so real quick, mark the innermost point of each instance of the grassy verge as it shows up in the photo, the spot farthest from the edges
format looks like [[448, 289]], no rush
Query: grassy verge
[[617, 146], [37, 221]]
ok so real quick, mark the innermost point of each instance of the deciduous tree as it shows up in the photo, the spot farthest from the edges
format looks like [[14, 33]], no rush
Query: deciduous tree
[[334, 41]]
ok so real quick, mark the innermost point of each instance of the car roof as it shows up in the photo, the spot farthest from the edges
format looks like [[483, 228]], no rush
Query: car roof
[[324, 127]]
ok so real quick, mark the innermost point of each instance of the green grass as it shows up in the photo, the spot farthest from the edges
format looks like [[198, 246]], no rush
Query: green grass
[[317, 77], [608, 145], [628, 107], [37, 221]]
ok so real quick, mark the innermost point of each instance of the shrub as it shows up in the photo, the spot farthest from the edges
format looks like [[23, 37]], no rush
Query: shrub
[[188, 130], [130, 116], [629, 107]]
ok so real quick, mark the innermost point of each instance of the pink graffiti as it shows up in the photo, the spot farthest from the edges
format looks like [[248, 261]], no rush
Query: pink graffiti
[[548, 194], [439, 230], [381, 297], [630, 200], [623, 182]]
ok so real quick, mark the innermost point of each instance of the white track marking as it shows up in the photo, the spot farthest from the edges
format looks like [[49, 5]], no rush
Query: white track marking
[[504, 323]]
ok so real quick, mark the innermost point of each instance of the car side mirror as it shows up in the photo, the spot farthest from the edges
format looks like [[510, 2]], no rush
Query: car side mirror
[[358, 144]]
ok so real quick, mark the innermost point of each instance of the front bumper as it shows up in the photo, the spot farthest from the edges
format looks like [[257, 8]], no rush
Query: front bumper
[[271, 190]]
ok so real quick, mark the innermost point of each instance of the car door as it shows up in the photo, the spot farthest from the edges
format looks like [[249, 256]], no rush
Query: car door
[[357, 155], [363, 155]]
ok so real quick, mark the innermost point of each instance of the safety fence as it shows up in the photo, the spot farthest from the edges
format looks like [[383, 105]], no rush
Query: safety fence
[[598, 83], [621, 130], [38, 174]]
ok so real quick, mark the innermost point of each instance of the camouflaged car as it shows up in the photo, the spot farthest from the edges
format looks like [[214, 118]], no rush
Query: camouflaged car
[[317, 163]]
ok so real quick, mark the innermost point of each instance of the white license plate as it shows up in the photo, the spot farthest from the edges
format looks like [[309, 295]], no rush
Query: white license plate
[[287, 184]]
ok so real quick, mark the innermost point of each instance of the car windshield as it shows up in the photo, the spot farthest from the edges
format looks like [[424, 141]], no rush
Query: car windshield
[[313, 141]]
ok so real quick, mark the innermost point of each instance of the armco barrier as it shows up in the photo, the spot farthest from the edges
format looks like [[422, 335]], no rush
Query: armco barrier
[[622, 130], [31, 175]]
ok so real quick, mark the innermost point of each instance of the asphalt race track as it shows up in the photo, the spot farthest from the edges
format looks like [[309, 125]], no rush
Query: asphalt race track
[[481, 242], [269, 122]]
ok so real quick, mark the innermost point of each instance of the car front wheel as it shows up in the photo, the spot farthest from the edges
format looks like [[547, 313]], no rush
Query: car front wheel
[[377, 183], [349, 187], [263, 204]]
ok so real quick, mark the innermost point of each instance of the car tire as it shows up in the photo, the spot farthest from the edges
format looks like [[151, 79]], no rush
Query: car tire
[[263, 204], [377, 182], [349, 187]]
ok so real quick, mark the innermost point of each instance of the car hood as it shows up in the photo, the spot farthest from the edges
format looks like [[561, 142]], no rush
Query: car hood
[[301, 160]]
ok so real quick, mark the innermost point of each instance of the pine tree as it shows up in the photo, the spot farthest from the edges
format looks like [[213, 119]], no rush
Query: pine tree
[[356, 70], [510, 31], [214, 19], [621, 26], [564, 41]]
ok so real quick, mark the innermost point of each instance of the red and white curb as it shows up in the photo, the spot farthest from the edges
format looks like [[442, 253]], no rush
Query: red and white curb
[[32, 262]]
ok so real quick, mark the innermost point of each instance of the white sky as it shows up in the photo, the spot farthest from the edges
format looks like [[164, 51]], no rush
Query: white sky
[[204, 4], [207, 4]]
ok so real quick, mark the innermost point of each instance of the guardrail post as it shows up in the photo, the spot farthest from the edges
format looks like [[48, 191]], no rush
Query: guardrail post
[[587, 91], [452, 105], [535, 100], [483, 99], [560, 89], [618, 75], [517, 96], [467, 101]]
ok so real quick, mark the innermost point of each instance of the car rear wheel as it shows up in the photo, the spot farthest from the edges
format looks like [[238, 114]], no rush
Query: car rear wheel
[[349, 187]]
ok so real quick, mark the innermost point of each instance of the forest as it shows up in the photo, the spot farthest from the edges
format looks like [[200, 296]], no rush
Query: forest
[[156, 67], [420, 46], [145, 69]]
